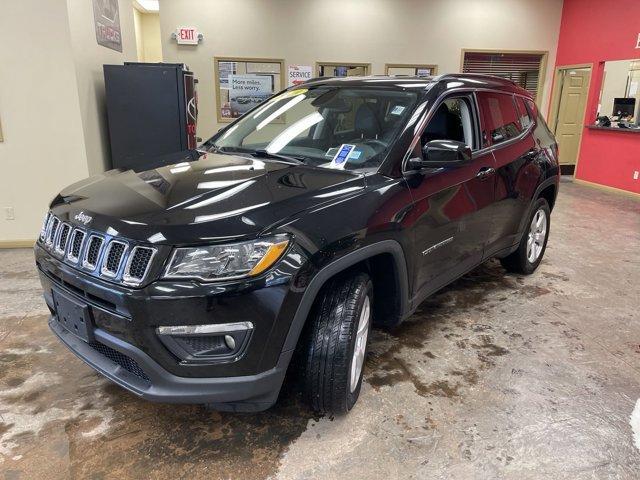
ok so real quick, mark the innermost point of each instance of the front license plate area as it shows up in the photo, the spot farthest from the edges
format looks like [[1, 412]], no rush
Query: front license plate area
[[73, 315]]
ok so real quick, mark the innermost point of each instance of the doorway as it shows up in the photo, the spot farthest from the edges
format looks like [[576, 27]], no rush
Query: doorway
[[569, 104]]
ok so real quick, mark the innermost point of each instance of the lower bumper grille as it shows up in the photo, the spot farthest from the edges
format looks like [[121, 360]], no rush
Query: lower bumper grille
[[128, 363]]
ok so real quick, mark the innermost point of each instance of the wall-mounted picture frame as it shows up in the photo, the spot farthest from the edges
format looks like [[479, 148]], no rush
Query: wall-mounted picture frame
[[342, 69], [106, 18], [411, 69], [241, 83]]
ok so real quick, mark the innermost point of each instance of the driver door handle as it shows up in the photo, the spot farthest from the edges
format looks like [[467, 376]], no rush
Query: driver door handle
[[485, 172]]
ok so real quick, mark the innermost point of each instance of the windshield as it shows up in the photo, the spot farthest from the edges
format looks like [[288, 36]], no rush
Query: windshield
[[334, 127]]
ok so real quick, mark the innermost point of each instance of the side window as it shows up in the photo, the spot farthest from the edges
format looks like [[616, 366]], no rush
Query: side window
[[500, 119], [453, 120], [526, 119]]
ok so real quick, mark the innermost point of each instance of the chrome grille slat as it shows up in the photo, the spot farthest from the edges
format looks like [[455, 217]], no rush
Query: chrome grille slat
[[92, 252], [63, 238], [138, 264], [51, 231], [77, 239], [45, 223], [113, 257]]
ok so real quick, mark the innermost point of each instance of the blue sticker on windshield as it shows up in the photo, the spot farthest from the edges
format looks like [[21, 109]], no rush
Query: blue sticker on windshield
[[355, 155], [341, 157]]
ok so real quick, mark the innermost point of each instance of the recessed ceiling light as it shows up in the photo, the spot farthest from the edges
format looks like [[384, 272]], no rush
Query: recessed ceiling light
[[149, 5]]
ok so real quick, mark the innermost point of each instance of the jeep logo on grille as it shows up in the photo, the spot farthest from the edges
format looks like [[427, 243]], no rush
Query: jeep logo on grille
[[84, 218]]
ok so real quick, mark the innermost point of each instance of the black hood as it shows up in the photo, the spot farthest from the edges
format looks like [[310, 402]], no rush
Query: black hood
[[216, 197]]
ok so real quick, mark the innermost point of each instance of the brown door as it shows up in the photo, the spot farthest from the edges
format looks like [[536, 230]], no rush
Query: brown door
[[570, 118]]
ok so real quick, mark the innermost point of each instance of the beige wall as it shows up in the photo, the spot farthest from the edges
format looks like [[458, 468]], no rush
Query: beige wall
[[147, 28], [137, 23], [89, 58], [151, 36], [43, 148], [376, 31], [52, 104]]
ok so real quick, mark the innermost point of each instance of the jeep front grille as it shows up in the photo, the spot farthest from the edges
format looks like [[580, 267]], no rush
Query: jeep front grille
[[92, 252], [101, 255], [113, 258]]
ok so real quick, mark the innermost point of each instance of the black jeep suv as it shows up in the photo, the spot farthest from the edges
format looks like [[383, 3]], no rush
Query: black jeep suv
[[331, 206]]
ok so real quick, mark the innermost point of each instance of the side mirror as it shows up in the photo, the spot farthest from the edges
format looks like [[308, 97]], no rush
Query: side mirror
[[442, 154]]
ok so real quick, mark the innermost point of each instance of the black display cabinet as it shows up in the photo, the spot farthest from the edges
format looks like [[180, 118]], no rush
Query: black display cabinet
[[152, 113]]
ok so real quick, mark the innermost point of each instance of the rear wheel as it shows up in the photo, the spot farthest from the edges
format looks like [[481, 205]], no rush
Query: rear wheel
[[337, 344], [533, 242]]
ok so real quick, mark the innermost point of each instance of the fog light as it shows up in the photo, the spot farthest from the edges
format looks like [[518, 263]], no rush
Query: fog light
[[230, 341], [209, 343]]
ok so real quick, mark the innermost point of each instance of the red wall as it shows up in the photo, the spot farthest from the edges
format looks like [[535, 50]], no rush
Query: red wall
[[593, 31]]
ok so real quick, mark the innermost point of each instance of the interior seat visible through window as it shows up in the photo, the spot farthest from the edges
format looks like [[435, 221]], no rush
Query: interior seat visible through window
[[366, 123], [451, 121]]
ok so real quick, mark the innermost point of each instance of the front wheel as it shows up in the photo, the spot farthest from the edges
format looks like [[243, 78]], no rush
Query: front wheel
[[337, 344], [533, 242]]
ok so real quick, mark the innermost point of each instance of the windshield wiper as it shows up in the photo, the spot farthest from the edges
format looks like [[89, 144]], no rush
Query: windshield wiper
[[261, 153]]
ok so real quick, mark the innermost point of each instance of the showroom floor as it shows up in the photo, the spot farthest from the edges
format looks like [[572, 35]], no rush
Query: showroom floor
[[497, 376]]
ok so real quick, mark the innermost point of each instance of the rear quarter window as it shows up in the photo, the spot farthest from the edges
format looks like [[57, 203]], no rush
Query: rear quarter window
[[499, 115], [525, 117]]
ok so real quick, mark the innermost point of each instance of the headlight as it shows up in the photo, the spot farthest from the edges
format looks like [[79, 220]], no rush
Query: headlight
[[224, 262]]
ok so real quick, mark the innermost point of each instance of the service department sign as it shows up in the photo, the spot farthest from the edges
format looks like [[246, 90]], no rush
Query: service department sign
[[299, 74]]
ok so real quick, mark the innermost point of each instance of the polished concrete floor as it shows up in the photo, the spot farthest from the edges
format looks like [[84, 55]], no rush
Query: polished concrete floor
[[497, 376]]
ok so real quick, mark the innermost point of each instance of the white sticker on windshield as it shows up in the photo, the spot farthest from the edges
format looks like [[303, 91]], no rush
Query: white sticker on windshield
[[397, 110], [340, 160], [355, 155]]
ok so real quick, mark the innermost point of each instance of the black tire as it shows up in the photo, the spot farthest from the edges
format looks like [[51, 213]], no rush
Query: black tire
[[518, 261], [329, 347]]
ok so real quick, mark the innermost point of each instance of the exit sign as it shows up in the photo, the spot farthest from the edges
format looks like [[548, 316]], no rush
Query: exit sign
[[187, 35]]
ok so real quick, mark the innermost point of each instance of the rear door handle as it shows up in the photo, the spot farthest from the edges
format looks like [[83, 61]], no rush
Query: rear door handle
[[485, 172]]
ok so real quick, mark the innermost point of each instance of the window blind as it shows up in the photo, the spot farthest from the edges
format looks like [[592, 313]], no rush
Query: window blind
[[521, 68]]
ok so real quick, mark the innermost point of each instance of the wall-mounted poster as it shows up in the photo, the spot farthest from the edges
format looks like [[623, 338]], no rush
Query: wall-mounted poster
[[226, 69], [246, 91], [241, 83], [106, 17]]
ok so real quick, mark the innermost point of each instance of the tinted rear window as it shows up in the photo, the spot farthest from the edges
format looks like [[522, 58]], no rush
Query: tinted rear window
[[500, 118]]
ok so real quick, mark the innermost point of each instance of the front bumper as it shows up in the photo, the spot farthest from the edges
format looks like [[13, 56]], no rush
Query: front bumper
[[127, 349], [137, 372]]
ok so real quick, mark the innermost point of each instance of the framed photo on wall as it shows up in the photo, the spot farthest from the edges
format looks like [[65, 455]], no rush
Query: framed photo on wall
[[411, 69], [242, 83], [342, 69]]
